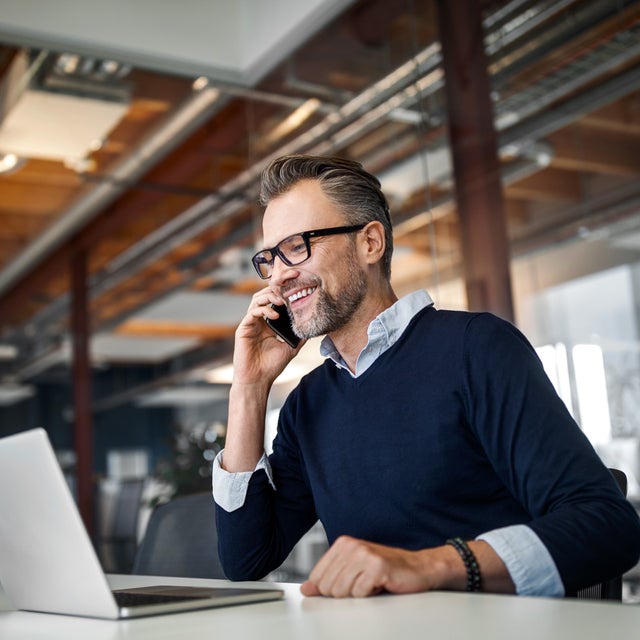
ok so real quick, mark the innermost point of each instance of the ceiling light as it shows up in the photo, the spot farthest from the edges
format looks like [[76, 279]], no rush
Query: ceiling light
[[10, 162], [181, 395], [200, 83], [58, 112], [8, 351], [67, 63], [11, 393]]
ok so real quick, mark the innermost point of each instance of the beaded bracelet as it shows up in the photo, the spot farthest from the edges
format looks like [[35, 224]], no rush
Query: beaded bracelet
[[474, 579]]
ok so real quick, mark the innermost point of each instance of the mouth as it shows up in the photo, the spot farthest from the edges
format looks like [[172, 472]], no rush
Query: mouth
[[303, 293]]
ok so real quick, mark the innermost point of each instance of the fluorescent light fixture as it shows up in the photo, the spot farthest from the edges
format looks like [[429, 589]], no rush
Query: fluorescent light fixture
[[53, 126], [8, 351], [181, 395], [11, 393], [62, 113]]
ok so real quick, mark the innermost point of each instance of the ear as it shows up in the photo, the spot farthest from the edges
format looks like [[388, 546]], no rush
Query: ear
[[372, 244]]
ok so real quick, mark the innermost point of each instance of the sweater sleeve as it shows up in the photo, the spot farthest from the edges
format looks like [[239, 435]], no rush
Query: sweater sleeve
[[278, 509], [577, 510]]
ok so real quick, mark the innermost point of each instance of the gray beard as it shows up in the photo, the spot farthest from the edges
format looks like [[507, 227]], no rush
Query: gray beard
[[334, 312]]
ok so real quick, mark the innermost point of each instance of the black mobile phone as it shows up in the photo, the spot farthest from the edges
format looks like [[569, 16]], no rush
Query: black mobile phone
[[282, 326]]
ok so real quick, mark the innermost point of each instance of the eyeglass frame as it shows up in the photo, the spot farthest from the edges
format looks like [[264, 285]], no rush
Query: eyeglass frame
[[306, 237]]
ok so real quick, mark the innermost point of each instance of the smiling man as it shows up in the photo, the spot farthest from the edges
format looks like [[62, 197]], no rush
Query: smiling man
[[430, 444]]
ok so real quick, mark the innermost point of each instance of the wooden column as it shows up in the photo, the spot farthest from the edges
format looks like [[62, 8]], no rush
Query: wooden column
[[83, 422], [480, 202]]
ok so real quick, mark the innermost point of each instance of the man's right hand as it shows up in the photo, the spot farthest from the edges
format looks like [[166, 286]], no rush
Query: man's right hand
[[260, 355]]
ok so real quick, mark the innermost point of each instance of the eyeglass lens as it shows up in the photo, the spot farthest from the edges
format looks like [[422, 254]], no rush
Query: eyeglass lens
[[295, 249], [292, 250]]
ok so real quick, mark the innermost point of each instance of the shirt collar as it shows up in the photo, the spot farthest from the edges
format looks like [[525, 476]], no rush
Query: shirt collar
[[383, 331]]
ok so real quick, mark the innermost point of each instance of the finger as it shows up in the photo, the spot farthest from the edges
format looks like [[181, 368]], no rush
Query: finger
[[268, 296], [309, 589], [365, 585], [323, 568], [264, 297], [338, 569], [344, 582]]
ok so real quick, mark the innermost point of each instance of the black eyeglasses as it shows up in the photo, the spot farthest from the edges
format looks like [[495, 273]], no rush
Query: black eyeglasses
[[295, 249]]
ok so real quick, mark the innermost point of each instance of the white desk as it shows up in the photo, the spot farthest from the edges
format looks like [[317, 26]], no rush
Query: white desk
[[436, 615]]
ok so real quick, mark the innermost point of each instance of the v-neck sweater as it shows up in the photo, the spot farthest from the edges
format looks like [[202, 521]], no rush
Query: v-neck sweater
[[454, 431]]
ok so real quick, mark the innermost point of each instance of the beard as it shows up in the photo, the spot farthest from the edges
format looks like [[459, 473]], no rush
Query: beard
[[332, 312]]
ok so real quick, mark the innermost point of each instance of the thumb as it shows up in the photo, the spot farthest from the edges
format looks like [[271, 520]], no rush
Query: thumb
[[308, 588]]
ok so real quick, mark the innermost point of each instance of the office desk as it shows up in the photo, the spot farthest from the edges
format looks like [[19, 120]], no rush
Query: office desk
[[436, 615]]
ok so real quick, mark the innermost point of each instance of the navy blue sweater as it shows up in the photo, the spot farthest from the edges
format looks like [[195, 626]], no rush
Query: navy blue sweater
[[454, 431]]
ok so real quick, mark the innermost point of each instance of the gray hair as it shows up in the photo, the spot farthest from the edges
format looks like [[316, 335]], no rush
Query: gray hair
[[355, 191]]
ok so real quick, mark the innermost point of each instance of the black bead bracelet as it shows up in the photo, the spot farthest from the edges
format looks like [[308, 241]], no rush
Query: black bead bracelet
[[474, 579]]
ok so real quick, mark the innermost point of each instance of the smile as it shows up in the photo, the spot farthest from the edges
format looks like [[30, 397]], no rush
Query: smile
[[301, 294]]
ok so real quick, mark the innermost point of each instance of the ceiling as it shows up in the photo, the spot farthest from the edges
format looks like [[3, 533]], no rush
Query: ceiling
[[147, 154]]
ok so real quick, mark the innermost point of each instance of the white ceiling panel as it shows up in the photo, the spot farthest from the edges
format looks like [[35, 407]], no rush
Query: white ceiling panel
[[198, 308], [138, 349], [235, 41]]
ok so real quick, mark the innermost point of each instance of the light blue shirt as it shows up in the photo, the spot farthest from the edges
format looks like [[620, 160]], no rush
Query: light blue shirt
[[528, 561]]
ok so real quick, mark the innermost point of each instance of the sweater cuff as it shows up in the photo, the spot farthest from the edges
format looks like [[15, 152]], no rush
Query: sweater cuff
[[230, 489], [528, 561]]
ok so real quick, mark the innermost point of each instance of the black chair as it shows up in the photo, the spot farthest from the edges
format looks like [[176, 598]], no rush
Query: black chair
[[118, 545], [181, 540], [611, 589]]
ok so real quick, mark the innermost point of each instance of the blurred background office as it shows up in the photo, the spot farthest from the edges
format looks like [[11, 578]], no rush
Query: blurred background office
[[506, 135]]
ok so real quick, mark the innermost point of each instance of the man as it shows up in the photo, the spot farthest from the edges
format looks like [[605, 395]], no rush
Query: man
[[430, 443]]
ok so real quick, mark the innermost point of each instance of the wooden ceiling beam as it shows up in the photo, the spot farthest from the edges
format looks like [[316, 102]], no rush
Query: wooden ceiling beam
[[167, 329], [595, 151], [44, 199], [621, 117], [550, 185]]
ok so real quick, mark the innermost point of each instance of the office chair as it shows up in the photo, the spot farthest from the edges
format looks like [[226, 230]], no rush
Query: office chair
[[611, 589], [119, 544], [181, 540]]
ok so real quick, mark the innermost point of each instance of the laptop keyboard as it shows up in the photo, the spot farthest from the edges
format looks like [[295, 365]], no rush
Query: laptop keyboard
[[130, 599]]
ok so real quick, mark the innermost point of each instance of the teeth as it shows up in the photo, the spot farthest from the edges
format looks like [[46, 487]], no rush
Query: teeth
[[301, 294]]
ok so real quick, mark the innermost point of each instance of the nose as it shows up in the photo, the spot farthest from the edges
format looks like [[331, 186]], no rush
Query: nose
[[281, 272]]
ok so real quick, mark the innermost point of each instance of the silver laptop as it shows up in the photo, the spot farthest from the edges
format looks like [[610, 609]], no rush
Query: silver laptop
[[47, 561]]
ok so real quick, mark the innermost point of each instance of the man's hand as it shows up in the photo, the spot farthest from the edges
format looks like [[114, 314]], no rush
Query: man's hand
[[358, 568], [353, 567], [259, 355]]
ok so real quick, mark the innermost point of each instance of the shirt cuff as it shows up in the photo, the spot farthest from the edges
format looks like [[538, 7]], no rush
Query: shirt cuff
[[528, 561], [230, 489]]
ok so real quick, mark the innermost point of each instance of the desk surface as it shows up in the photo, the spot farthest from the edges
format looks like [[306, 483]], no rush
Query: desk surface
[[434, 615]]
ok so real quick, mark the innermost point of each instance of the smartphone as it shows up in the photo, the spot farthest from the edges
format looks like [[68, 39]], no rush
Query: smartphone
[[282, 326]]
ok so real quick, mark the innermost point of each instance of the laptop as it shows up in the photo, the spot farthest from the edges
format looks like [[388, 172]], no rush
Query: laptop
[[47, 561]]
